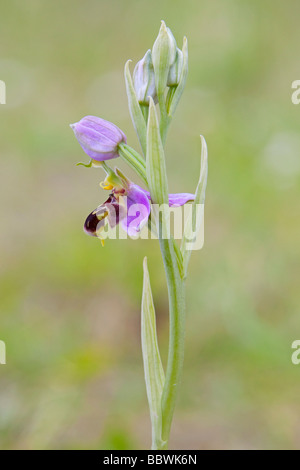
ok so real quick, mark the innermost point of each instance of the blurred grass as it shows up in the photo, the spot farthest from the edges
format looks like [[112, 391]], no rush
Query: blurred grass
[[69, 310]]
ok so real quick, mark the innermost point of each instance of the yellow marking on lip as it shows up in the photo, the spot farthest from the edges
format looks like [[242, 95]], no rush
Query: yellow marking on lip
[[106, 186], [102, 216]]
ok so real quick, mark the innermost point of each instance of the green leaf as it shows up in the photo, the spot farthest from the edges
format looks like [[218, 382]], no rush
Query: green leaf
[[154, 373], [192, 224], [135, 110], [181, 85], [156, 172]]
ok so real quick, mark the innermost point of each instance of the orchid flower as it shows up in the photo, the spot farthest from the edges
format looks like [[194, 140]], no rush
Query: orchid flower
[[129, 205]]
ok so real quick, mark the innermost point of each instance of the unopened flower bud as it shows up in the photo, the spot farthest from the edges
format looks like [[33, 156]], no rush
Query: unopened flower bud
[[144, 80], [175, 70], [163, 56], [98, 138]]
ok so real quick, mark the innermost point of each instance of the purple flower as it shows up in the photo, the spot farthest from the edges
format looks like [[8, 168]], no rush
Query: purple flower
[[130, 206], [98, 138]]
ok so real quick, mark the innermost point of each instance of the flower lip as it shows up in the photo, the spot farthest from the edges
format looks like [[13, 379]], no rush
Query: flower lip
[[110, 210], [137, 210], [98, 138], [92, 224]]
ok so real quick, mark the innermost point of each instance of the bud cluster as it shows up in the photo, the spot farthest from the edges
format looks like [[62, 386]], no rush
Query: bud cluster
[[160, 69]]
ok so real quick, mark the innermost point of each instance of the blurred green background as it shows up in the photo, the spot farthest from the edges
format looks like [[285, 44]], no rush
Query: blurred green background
[[70, 309]]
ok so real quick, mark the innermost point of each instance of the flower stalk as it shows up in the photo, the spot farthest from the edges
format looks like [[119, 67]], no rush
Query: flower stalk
[[134, 160], [158, 184]]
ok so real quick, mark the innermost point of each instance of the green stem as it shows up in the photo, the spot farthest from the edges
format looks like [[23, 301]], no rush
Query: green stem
[[176, 294], [134, 160], [107, 169], [176, 291]]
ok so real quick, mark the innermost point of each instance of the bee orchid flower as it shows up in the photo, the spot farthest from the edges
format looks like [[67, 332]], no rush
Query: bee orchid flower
[[129, 205]]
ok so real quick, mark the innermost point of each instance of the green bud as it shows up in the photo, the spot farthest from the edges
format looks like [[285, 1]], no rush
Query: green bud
[[175, 70], [163, 57], [143, 79]]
